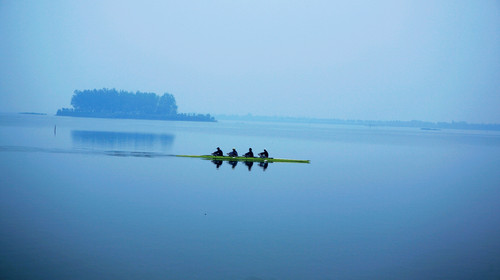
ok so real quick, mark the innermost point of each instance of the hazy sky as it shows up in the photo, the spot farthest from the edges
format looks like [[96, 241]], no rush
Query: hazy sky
[[380, 60]]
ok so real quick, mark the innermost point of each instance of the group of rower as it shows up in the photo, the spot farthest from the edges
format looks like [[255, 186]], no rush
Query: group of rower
[[234, 153]]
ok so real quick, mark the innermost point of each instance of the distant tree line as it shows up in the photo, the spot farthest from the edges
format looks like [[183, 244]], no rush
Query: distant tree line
[[110, 103], [424, 125]]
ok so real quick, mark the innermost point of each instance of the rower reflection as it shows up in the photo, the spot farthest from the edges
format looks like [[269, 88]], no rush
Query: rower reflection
[[217, 163], [249, 164], [263, 165], [234, 163]]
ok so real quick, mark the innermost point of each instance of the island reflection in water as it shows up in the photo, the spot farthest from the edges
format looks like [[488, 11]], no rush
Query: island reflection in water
[[121, 140], [248, 164]]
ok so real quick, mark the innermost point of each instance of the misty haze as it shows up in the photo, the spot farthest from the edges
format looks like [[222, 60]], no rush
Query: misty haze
[[367, 134]]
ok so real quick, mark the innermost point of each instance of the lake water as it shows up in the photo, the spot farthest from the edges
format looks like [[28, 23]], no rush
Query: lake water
[[104, 199]]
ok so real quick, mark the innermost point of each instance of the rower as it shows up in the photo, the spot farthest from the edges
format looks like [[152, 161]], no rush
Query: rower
[[250, 153], [218, 153], [264, 154], [233, 153]]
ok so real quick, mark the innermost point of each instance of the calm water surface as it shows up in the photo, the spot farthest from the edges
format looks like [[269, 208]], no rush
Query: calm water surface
[[104, 199]]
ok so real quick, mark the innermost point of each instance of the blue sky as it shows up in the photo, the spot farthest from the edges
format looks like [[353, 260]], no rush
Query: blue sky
[[377, 60]]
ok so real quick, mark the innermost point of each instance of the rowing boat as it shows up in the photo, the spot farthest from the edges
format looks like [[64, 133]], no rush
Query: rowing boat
[[228, 158]]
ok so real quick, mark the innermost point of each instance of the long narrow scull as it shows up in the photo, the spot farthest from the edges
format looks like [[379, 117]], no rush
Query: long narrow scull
[[228, 158]]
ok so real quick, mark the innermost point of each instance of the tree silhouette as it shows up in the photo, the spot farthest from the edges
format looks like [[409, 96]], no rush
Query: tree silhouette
[[110, 103], [167, 105]]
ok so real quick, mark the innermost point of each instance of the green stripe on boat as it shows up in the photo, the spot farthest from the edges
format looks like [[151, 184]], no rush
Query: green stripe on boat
[[227, 158]]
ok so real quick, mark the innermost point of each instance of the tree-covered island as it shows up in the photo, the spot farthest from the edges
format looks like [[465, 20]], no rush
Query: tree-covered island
[[110, 103]]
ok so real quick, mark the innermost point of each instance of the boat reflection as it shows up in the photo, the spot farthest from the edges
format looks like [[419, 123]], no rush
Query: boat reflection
[[234, 163], [121, 140]]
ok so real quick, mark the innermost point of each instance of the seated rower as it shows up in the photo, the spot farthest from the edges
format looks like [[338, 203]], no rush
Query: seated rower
[[264, 154], [218, 153], [233, 153], [250, 153]]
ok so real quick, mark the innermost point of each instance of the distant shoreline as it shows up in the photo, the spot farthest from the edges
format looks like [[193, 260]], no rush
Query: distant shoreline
[[424, 125], [176, 117]]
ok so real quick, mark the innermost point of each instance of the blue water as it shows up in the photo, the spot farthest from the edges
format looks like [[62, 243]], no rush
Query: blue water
[[104, 199]]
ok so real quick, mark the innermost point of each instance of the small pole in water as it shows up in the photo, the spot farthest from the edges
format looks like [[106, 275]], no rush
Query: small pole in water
[[55, 129]]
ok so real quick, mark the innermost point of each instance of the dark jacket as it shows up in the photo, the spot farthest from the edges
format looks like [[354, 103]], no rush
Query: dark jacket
[[264, 154], [233, 153], [218, 152], [250, 153]]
